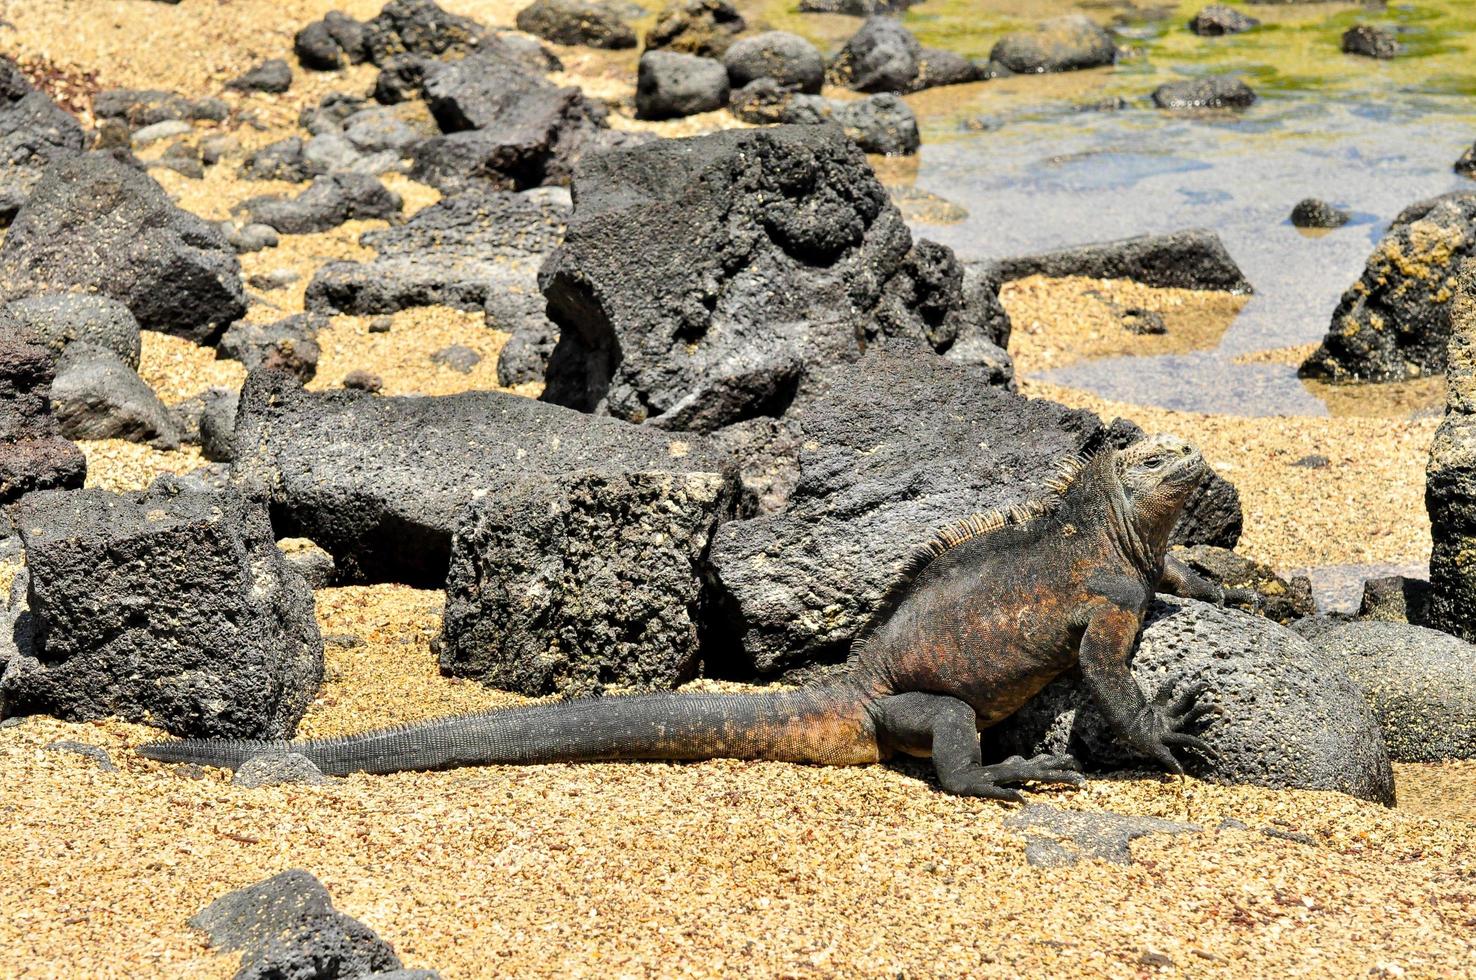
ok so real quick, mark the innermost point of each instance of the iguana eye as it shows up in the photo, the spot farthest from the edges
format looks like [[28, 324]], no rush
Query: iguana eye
[[1153, 462]]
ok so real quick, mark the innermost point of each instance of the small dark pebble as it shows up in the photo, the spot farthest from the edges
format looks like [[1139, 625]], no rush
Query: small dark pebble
[[276, 279], [13, 722], [346, 640], [1112, 103], [457, 357], [269, 76], [1291, 835], [381, 324], [363, 381], [1230, 823], [1312, 461], [1155, 960], [1140, 321], [1371, 42], [1311, 212], [1218, 19]]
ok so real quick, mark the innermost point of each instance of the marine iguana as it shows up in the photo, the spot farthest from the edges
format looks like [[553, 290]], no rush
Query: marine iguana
[[983, 617]]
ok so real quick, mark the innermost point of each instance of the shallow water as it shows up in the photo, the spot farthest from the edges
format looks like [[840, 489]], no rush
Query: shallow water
[[1034, 170]]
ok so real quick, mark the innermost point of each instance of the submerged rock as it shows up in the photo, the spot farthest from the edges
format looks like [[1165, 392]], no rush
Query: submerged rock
[[1192, 259], [1371, 41], [1314, 213], [1218, 92]]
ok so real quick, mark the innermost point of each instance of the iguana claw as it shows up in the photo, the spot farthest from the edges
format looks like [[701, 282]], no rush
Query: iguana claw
[[1244, 597], [1163, 723]]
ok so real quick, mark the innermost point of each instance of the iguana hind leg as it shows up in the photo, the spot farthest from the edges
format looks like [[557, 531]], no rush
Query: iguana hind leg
[[947, 729]]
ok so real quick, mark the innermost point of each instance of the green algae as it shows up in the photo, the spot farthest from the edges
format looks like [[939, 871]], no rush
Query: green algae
[[1295, 51]]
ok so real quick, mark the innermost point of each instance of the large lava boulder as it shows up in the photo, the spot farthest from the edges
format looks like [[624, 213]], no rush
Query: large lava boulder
[[378, 481], [172, 606], [889, 449], [33, 131], [101, 226], [1419, 683], [701, 280], [462, 251], [568, 584], [1394, 322], [1291, 718]]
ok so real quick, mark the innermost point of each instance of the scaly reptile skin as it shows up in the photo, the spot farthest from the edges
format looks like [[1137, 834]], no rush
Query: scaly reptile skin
[[1000, 607]]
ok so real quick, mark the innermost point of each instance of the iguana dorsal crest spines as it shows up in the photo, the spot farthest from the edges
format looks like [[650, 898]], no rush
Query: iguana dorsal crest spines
[[987, 522], [970, 528]]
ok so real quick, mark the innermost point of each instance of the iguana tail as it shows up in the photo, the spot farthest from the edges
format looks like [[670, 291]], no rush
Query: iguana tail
[[827, 725]]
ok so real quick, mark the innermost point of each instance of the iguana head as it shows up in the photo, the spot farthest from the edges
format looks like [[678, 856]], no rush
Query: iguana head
[[1157, 475]]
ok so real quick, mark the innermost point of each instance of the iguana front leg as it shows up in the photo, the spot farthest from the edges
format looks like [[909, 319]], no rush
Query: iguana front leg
[[1181, 580], [1152, 727], [921, 724]]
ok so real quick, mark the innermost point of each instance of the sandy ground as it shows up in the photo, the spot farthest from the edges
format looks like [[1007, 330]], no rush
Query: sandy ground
[[712, 869]]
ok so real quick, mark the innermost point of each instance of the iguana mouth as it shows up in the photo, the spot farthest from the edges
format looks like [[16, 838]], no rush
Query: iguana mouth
[[1191, 468]]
